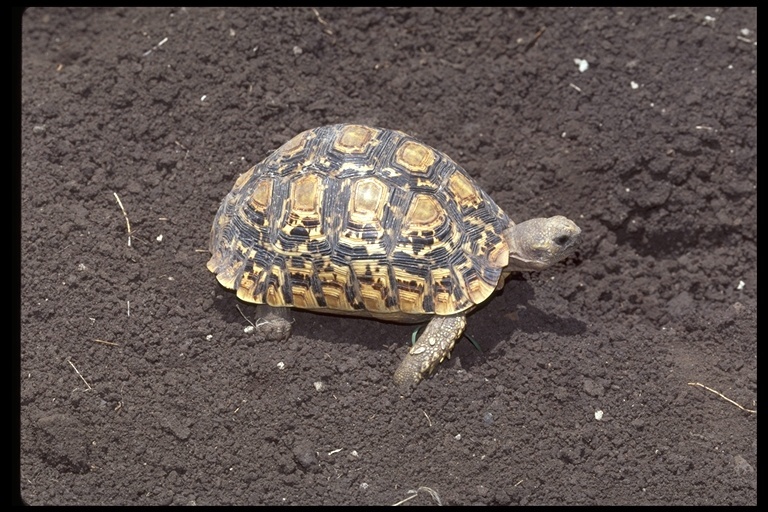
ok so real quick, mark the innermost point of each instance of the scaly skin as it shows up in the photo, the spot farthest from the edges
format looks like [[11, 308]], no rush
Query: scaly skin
[[434, 345]]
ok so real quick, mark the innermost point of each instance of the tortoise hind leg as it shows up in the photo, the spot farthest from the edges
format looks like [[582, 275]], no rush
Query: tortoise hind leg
[[273, 323], [434, 345]]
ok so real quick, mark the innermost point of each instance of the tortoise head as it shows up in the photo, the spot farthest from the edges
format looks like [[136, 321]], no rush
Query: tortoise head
[[538, 243]]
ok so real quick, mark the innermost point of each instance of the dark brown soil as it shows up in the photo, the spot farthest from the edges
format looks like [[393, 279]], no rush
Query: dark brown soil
[[138, 384]]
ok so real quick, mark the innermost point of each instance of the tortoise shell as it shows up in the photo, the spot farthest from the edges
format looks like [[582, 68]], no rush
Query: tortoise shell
[[357, 220]]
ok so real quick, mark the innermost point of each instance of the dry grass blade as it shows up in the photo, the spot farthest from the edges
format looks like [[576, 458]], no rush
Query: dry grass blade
[[722, 396], [416, 492], [127, 222], [79, 374]]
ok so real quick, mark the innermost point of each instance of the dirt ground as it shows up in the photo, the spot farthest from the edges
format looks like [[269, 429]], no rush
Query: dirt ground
[[140, 385]]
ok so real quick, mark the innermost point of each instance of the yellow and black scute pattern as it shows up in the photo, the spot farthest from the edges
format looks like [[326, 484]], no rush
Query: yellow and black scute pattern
[[358, 220]]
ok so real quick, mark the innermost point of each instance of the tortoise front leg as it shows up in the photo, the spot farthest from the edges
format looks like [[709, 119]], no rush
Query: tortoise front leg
[[434, 345]]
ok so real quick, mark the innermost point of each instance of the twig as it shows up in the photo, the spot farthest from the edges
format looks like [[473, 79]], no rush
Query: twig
[[106, 342], [127, 222], [78, 373], [722, 396], [182, 146], [428, 420], [320, 20], [158, 45], [535, 39], [317, 15]]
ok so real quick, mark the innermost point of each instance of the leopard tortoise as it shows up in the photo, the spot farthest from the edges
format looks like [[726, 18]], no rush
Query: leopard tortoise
[[355, 220]]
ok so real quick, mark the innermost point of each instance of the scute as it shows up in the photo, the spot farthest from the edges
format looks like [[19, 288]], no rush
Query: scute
[[358, 220], [354, 139], [415, 156]]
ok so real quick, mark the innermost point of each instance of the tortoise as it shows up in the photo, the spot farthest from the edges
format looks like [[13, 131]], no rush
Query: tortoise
[[355, 220]]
